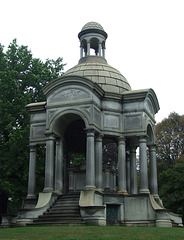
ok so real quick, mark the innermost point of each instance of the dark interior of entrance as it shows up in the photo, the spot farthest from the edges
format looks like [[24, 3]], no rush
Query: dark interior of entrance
[[75, 153]]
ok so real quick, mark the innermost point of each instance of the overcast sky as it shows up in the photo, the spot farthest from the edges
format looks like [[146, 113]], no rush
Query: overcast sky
[[145, 38]]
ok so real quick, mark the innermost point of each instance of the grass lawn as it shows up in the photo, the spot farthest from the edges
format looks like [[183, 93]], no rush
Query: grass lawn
[[90, 233]]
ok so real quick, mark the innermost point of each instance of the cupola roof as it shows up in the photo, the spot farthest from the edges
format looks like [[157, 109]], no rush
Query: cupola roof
[[94, 66]]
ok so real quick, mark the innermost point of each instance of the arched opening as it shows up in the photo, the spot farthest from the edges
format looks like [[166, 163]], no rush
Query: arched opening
[[75, 138], [71, 128], [75, 156], [150, 134], [83, 47], [94, 44]]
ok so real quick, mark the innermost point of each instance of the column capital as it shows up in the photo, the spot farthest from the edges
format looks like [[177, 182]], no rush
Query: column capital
[[32, 148], [50, 136], [142, 139], [59, 140], [152, 147], [90, 131], [121, 140], [99, 137]]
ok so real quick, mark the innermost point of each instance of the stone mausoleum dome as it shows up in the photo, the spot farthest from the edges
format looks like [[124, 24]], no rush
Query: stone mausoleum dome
[[94, 65]]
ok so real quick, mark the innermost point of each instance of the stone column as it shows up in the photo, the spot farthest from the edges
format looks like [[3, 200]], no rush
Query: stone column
[[128, 172], [153, 171], [114, 182], [59, 167], [32, 173], [81, 51], [143, 166], [133, 171], [103, 52], [122, 166], [49, 164], [90, 161], [71, 181], [88, 48], [107, 179], [100, 49], [98, 161]]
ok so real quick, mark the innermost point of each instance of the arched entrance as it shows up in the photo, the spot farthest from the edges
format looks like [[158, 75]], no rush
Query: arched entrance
[[71, 128], [75, 156]]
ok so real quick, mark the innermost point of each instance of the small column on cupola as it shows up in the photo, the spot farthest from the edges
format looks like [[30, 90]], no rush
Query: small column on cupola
[[92, 36]]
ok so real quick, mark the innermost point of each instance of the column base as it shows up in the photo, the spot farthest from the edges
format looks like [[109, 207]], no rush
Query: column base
[[163, 223], [58, 192], [122, 192], [156, 196], [99, 190], [31, 196], [47, 190], [89, 187], [144, 191]]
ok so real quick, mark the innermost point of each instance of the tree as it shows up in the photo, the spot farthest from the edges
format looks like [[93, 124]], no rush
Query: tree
[[170, 140], [22, 78], [170, 161], [171, 187]]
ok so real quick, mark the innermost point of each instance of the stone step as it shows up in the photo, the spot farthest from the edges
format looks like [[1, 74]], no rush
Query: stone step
[[58, 217], [65, 215], [65, 211], [69, 212], [61, 208], [63, 223], [65, 205], [69, 196]]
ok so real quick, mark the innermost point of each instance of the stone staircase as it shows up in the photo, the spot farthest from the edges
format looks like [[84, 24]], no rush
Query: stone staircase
[[65, 211]]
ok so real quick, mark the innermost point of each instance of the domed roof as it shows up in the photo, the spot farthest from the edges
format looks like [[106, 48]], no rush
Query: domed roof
[[96, 69], [92, 25]]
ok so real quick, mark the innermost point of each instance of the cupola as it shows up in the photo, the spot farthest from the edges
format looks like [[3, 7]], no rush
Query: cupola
[[93, 65], [92, 36]]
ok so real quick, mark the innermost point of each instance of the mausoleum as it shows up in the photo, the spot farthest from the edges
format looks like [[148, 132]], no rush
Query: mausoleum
[[90, 106]]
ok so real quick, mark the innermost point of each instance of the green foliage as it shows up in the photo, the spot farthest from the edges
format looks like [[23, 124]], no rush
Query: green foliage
[[170, 162], [22, 78], [170, 140], [110, 154], [76, 159], [171, 187]]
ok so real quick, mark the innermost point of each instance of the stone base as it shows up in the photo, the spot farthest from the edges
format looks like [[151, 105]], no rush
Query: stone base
[[23, 222], [8, 220], [139, 223], [95, 221], [47, 190], [122, 192], [163, 223], [144, 191], [30, 203]]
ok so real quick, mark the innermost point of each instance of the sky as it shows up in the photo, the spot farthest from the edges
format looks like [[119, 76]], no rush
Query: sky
[[145, 39]]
